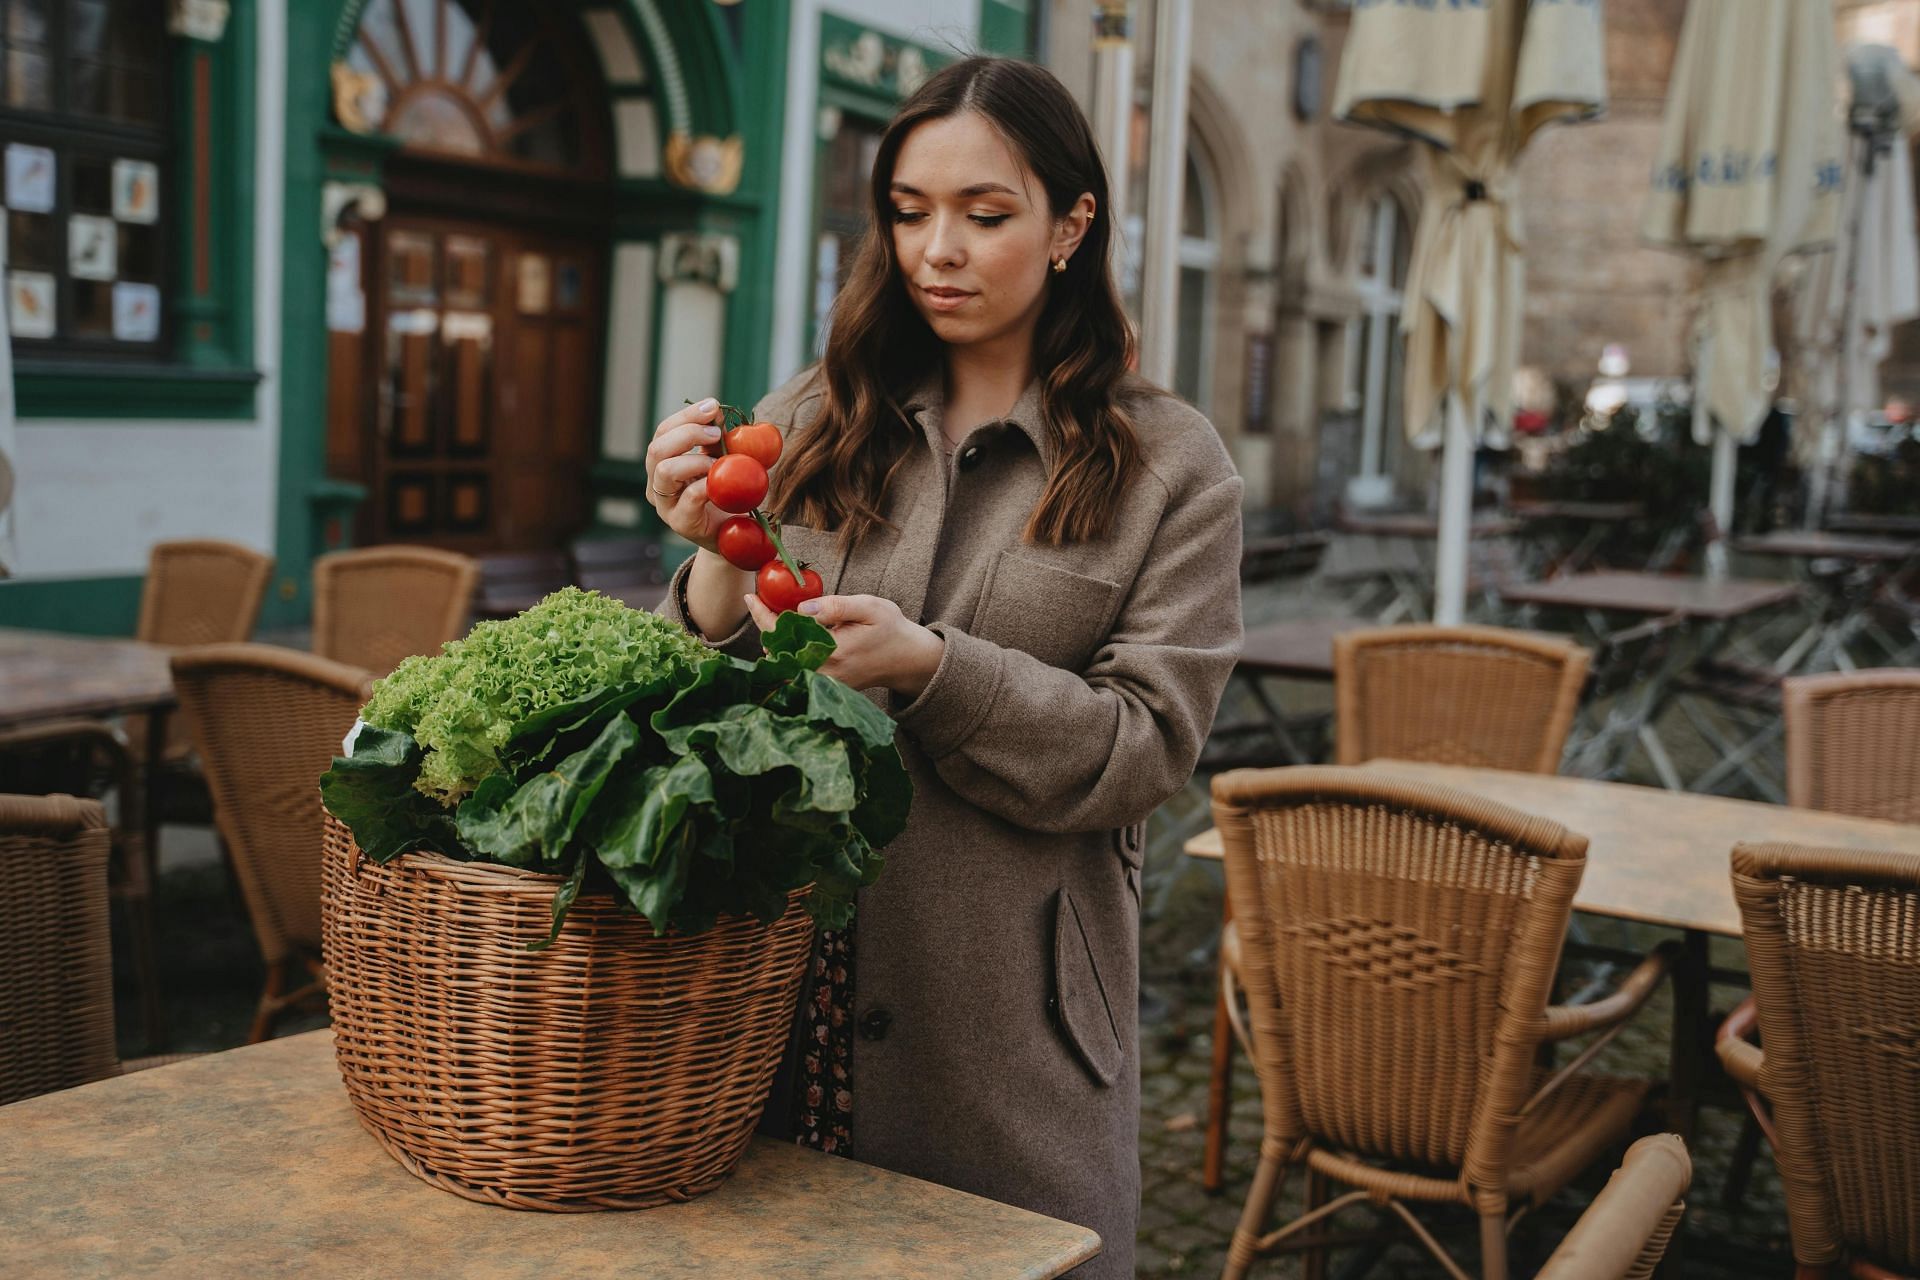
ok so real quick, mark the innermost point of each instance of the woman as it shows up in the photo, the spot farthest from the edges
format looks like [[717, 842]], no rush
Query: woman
[[1032, 563]]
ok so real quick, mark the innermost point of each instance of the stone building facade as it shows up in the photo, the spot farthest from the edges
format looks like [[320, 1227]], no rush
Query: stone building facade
[[1308, 223]]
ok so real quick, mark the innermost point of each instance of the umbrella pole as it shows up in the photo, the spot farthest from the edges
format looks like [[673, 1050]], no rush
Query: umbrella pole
[[1166, 185], [1456, 514], [1725, 456], [1828, 467]]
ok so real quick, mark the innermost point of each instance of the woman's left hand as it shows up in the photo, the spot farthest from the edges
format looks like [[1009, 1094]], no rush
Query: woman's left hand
[[875, 645]]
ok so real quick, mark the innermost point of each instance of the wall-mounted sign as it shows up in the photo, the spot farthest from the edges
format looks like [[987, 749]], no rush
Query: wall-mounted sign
[[704, 163], [92, 244], [859, 57], [136, 312], [198, 19], [700, 259], [136, 191], [30, 306], [30, 173]]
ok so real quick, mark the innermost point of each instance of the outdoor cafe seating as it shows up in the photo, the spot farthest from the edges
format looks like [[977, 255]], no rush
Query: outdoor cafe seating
[[1434, 729]]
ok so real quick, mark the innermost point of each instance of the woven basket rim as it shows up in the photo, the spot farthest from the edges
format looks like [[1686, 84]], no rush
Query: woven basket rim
[[497, 877]]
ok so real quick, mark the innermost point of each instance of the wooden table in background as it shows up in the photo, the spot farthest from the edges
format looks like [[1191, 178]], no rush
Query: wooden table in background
[[1297, 649], [1550, 524], [252, 1162], [1846, 598], [1701, 612], [1653, 856], [1414, 524], [45, 675], [1652, 594]]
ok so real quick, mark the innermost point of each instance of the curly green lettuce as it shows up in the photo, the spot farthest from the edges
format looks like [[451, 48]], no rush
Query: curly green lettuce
[[462, 704]]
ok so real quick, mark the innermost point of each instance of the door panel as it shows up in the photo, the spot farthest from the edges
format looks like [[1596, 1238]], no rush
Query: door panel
[[484, 344]]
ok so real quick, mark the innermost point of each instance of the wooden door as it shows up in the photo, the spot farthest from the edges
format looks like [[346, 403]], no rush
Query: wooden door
[[477, 385]]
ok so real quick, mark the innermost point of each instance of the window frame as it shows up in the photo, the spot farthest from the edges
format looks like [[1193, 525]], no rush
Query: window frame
[[1201, 254], [1377, 373], [70, 134], [210, 373]]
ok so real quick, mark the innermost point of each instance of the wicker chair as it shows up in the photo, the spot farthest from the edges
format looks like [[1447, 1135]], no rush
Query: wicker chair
[[198, 591], [1624, 1232], [56, 970], [377, 605], [1398, 946], [267, 723], [1482, 696], [1853, 743], [91, 758], [202, 592], [1831, 942]]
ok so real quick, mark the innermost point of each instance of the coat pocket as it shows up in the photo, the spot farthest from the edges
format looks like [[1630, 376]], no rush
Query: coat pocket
[[1080, 998], [1055, 614]]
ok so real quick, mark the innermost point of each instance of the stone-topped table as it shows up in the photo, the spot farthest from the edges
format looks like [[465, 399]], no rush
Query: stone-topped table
[[252, 1163]]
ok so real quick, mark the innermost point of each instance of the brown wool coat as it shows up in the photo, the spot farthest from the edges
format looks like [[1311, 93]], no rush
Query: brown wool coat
[[1077, 686]]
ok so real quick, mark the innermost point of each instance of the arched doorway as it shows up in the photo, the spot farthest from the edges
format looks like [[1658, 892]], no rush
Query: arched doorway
[[465, 389]]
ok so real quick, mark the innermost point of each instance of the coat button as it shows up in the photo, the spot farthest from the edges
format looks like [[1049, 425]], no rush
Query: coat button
[[970, 458], [874, 1024]]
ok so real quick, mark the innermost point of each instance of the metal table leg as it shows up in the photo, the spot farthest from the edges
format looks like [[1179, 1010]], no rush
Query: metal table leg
[[1688, 1065], [147, 822]]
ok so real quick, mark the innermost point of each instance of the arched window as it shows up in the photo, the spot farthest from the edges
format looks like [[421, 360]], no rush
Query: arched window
[[1376, 351], [1199, 269], [474, 79]]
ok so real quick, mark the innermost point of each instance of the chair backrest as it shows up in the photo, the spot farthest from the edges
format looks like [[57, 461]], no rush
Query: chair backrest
[[1398, 945], [267, 723], [1625, 1231], [56, 967], [1853, 743], [1833, 943], [1482, 696], [202, 592], [376, 605]]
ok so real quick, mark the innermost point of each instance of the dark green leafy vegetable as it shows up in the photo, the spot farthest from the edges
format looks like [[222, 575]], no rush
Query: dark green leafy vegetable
[[711, 789]]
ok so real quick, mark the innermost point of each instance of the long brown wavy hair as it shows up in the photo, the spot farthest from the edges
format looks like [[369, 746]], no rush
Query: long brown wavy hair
[[879, 348]]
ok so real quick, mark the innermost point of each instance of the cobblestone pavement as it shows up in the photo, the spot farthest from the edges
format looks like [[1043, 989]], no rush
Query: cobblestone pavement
[[1184, 1231]]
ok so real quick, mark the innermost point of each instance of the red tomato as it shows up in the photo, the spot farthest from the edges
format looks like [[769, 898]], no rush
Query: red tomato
[[736, 483], [744, 543], [779, 592], [758, 440]]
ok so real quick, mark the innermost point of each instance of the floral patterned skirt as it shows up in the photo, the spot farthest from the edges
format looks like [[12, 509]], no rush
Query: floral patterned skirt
[[823, 1086]]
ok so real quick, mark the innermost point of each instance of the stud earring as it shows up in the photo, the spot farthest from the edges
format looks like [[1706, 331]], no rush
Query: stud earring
[[1059, 265]]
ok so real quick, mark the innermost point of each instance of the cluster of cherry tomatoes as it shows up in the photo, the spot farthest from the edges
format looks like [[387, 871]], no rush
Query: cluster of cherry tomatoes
[[737, 483]]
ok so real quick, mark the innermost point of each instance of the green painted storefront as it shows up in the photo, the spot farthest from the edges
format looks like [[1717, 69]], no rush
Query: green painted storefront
[[721, 72]]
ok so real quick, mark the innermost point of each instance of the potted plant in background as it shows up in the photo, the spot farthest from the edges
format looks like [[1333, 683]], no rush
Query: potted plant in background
[[572, 869]]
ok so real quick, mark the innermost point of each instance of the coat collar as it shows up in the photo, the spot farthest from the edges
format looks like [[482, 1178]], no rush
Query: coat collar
[[928, 402]]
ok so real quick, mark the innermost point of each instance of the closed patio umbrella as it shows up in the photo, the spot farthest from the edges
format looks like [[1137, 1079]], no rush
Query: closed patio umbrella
[[1748, 170], [1474, 82], [1850, 300]]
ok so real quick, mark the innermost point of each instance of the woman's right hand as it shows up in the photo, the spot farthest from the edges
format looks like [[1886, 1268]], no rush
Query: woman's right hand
[[677, 473]]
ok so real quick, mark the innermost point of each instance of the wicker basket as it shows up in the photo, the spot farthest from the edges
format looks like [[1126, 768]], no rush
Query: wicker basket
[[614, 1070]]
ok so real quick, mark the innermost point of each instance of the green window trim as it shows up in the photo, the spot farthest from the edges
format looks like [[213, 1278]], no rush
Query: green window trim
[[103, 606], [210, 374], [1006, 27], [108, 391]]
